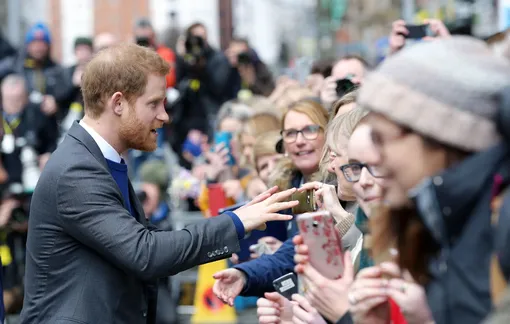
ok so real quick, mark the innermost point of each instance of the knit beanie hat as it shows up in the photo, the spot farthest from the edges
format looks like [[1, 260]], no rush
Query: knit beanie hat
[[447, 90], [38, 31], [157, 173]]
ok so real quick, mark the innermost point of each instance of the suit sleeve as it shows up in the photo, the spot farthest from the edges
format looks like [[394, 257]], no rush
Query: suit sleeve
[[261, 272], [90, 210]]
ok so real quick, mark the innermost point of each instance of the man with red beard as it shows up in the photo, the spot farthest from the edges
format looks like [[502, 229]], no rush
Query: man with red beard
[[91, 255]]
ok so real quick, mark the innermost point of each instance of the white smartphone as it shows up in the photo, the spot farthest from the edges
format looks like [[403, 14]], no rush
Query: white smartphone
[[323, 241]]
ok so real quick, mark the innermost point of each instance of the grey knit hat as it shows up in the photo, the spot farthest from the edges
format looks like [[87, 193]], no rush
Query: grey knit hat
[[447, 90]]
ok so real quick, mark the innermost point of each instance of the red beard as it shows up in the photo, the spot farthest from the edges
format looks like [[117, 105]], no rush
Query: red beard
[[136, 135]]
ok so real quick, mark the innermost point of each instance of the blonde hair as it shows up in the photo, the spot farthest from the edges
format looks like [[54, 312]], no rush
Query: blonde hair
[[286, 170], [348, 98], [290, 96], [265, 144], [338, 133], [121, 68], [260, 123]]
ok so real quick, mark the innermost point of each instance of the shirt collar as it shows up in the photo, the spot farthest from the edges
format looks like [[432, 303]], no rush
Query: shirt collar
[[108, 151]]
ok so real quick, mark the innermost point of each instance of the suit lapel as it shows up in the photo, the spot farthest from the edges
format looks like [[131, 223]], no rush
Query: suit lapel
[[80, 134]]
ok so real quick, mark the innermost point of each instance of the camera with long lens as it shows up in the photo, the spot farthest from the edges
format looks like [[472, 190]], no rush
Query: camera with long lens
[[194, 50], [143, 41], [29, 160], [244, 58], [19, 215]]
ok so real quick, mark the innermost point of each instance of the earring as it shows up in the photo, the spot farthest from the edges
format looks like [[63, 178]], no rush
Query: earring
[[286, 154]]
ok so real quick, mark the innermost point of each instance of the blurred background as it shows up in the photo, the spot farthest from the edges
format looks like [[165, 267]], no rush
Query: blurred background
[[284, 32]]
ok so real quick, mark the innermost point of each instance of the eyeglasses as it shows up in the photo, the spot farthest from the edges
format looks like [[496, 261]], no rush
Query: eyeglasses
[[352, 171], [310, 132]]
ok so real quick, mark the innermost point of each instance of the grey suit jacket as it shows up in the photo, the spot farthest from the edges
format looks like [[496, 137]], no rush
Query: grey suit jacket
[[89, 260]]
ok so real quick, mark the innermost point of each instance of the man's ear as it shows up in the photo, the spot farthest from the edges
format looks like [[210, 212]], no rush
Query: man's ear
[[118, 102]]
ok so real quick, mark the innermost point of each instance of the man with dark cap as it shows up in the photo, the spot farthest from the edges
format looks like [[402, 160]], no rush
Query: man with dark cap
[[146, 36], [73, 105], [44, 78]]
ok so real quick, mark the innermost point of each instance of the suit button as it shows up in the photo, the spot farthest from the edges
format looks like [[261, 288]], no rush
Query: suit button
[[217, 252], [144, 314], [225, 249], [209, 254]]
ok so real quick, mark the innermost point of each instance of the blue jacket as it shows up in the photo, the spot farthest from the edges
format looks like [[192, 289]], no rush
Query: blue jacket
[[261, 272]]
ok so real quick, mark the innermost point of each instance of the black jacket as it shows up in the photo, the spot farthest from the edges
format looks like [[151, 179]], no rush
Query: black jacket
[[39, 131], [53, 76], [455, 208]]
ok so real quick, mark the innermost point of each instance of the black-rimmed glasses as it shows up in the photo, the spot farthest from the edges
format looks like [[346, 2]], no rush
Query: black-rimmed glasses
[[310, 132], [352, 171]]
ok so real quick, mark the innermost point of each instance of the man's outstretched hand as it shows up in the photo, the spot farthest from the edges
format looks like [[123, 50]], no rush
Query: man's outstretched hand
[[265, 207]]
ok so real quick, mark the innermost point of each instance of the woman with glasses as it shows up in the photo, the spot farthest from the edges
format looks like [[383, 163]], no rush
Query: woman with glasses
[[328, 198], [368, 184], [435, 107], [303, 137]]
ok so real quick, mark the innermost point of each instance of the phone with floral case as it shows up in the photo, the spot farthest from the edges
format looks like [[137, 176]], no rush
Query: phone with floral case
[[323, 241]]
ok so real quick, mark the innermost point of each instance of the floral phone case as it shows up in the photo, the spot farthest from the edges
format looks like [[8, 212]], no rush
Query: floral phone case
[[323, 241]]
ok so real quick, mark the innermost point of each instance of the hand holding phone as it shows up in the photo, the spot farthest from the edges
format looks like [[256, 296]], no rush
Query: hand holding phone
[[286, 285], [306, 202], [323, 241], [225, 138], [417, 31]]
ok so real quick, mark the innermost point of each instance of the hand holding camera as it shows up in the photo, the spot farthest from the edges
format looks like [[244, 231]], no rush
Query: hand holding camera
[[429, 30]]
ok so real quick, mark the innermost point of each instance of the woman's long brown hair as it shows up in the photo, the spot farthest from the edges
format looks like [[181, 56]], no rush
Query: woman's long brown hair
[[402, 228]]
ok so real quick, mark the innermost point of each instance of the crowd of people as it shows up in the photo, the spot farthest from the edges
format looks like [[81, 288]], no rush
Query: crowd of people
[[410, 159]]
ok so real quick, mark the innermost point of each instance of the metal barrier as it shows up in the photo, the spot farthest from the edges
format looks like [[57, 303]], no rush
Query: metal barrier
[[180, 220]]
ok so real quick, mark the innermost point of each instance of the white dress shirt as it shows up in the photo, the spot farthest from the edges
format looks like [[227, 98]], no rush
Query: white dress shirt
[[108, 151]]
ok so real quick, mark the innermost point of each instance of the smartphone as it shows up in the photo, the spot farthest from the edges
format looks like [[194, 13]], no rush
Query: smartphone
[[260, 249], [323, 241], [286, 285], [417, 31], [306, 202], [344, 86], [225, 138]]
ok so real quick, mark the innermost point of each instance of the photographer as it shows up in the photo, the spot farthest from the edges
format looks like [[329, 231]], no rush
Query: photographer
[[348, 71], [146, 36], [251, 72], [29, 136], [204, 82]]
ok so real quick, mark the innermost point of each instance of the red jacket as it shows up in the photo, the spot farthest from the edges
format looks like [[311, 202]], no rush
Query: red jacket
[[169, 56]]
